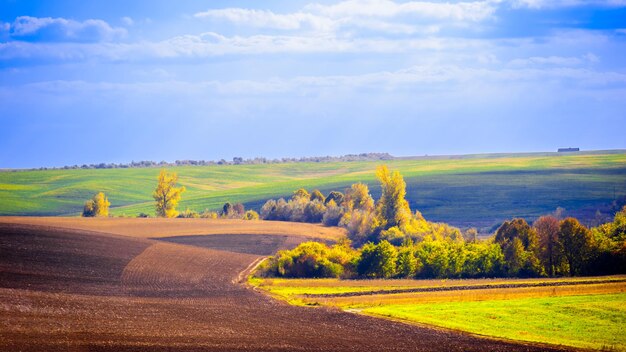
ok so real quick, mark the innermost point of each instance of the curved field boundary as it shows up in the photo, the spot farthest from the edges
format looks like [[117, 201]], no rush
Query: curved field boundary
[[464, 288], [176, 298], [160, 227]]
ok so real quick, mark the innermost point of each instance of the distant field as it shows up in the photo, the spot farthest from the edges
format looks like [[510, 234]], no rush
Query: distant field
[[577, 312], [467, 191]]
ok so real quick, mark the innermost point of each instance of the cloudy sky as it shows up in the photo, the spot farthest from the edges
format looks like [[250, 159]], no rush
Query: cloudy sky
[[115, 81]]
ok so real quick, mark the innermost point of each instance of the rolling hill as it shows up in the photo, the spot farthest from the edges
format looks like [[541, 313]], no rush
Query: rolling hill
[[470, 190]]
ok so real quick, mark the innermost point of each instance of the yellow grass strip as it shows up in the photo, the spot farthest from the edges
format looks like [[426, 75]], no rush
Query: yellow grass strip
[[468, 295]]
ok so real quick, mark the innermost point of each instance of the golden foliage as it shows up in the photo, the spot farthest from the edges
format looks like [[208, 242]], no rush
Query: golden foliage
[[167, 195], [97, 206]]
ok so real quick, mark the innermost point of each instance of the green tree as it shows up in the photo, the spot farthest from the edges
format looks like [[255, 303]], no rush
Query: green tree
[[576, 241], [97, 206], [407, 263], [167, 195], [309, 259], [392, 208], [377, 260], [519, 243]]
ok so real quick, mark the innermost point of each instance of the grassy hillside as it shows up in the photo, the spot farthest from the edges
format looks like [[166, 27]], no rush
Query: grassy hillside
[[477, 190]]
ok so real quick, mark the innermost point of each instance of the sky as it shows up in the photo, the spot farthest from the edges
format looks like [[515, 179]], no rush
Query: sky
[[117, 81]]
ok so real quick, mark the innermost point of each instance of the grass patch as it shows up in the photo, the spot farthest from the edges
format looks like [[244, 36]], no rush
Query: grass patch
[[588, 321], [586, 312]]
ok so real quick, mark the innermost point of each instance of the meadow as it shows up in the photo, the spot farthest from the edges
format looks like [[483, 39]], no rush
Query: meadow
[[575, 312], [477, 190]]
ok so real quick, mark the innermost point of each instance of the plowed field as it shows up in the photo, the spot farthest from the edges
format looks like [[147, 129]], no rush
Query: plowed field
[[64, 289]]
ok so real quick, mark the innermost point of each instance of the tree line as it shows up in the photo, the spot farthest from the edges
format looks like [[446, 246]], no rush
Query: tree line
[[387, 240], [235, 161]]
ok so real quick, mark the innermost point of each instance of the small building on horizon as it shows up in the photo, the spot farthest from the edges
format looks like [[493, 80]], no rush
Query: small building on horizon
[[566, 150]]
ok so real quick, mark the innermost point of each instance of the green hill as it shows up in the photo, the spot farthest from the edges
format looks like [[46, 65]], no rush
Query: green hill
[[471, 190]]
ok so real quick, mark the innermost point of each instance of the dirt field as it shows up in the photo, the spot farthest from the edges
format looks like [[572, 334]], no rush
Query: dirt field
[[81, 290], [154, 228]]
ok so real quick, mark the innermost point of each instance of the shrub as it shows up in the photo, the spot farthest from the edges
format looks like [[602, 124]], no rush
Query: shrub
[[377, 261], [333, 214], [97, 206], [189, 214], [309, 259], [251, 215]]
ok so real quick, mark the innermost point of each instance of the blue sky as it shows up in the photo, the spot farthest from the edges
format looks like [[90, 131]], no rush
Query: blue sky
[[88, 82]]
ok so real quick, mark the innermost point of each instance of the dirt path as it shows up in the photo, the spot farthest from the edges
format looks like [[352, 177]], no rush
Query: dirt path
[[144, 295]]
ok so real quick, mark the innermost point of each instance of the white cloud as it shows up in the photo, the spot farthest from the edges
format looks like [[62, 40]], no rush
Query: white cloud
[[431, 76], [539, 4], [268, 19], [378, 15], [554, 60], [459, 11], [49, 29]]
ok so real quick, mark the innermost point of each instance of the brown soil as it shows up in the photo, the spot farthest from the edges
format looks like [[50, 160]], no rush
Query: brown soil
[[68, 290], [159, 227]]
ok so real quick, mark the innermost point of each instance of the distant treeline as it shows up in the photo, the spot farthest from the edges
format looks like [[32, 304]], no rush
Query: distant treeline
[[387, 240], [235, 161]]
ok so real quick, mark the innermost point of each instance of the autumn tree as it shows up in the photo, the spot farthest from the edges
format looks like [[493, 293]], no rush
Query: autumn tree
[[97, 206], [550, 249], [576, 241], [167, 195], [251, 215], [358, 197], [520, 246], [301, 194], [335, 196], [239, 209], [392, 208], [317, 195]]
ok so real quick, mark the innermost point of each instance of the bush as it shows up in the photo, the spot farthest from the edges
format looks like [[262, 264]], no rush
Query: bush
[[251, 215], [333, 214], [377, 261], [309, 259], [189, 214], [206, 214], [97, 206]]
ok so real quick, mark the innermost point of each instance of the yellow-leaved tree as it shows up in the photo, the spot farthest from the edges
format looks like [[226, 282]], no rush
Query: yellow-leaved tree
[[167, 195], [97, 206], [392, 208]]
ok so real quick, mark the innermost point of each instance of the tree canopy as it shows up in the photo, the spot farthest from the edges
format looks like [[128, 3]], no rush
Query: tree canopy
[[167, 195]]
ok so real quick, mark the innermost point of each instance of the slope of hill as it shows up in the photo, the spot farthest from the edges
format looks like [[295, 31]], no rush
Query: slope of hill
[[136, 294], [473, 190]]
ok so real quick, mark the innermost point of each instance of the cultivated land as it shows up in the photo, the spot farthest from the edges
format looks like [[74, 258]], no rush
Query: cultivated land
[[577, 312], [77, 287], [475, 190]]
